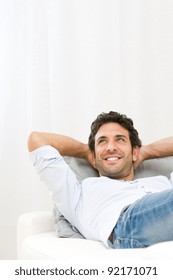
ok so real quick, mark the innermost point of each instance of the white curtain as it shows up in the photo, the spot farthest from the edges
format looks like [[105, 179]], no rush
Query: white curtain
[[62, 62]]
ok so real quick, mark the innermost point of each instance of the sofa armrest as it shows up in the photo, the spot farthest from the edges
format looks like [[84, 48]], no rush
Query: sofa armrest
[[33, 223]]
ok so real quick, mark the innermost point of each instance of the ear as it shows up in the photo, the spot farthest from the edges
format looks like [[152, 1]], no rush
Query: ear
[[135, 153]]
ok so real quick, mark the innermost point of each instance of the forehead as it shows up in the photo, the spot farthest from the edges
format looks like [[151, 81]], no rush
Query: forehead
[[111, 129]]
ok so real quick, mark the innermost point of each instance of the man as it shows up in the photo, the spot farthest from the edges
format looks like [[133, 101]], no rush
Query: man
[[113, 208]]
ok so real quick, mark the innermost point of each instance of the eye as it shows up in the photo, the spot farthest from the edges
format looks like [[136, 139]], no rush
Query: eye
[[102, 141], [121, 139]]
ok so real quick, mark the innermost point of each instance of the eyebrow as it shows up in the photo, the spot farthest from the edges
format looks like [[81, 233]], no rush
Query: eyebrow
[[121, 136]]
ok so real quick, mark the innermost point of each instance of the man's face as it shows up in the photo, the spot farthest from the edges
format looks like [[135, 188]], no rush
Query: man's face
[[114, 155]]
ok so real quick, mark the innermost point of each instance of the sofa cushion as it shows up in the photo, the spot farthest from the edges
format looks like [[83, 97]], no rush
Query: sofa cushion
[[48, 246]]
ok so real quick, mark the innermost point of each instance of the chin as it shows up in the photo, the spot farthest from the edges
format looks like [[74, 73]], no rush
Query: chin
[[111, 175]]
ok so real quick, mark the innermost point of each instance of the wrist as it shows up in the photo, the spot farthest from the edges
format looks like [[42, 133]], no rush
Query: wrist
[[86, 151], [145, 152], [149, 152]]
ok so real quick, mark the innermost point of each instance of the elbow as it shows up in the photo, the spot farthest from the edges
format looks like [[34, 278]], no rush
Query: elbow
[[33, 141]]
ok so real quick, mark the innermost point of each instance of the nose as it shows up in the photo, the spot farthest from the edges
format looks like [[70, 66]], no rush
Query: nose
[[111, 146]]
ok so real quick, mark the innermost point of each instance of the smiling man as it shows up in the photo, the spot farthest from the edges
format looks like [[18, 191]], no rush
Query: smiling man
[[112, 208]]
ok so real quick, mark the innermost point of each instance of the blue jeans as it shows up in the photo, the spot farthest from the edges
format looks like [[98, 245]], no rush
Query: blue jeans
[[147, 221]]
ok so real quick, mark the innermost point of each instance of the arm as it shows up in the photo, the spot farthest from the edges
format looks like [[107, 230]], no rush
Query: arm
[[66, 146], [161, 148], [53, 170]]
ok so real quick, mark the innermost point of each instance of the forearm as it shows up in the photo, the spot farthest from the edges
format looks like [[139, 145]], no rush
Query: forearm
[[161, 148], [66, 146]]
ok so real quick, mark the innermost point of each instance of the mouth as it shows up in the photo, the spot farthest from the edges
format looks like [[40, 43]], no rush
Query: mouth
[[112, 158]]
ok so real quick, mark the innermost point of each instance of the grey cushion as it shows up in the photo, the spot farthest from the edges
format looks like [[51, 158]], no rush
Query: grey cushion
[[154, 167], [62, 226], [82, 170]]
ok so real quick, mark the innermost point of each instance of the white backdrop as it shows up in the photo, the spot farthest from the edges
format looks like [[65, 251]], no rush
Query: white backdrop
[[62, 62]]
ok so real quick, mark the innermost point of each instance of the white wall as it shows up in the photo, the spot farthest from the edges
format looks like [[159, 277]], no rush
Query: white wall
[[62, 63]]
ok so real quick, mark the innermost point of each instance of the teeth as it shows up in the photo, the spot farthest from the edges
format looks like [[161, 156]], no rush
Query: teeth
[[112, 158]]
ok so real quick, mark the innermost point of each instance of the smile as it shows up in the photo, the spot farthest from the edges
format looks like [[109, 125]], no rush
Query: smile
[[112, 158]]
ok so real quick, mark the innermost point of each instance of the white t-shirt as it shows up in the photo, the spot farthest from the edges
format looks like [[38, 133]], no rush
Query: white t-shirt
[[94, 205]]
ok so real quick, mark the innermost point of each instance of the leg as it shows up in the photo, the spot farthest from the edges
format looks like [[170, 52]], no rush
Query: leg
[[146, 222]]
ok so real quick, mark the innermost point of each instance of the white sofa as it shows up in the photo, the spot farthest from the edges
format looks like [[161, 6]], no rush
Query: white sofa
[[37, 239]]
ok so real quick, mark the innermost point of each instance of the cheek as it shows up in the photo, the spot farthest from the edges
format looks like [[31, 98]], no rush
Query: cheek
[[97, 153]]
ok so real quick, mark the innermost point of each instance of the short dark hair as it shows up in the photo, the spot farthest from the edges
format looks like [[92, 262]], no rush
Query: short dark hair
[[122, 120]]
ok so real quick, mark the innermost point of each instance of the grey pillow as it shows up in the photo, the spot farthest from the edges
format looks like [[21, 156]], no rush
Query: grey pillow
[[62, 226], [154, 167], [82, 170]]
